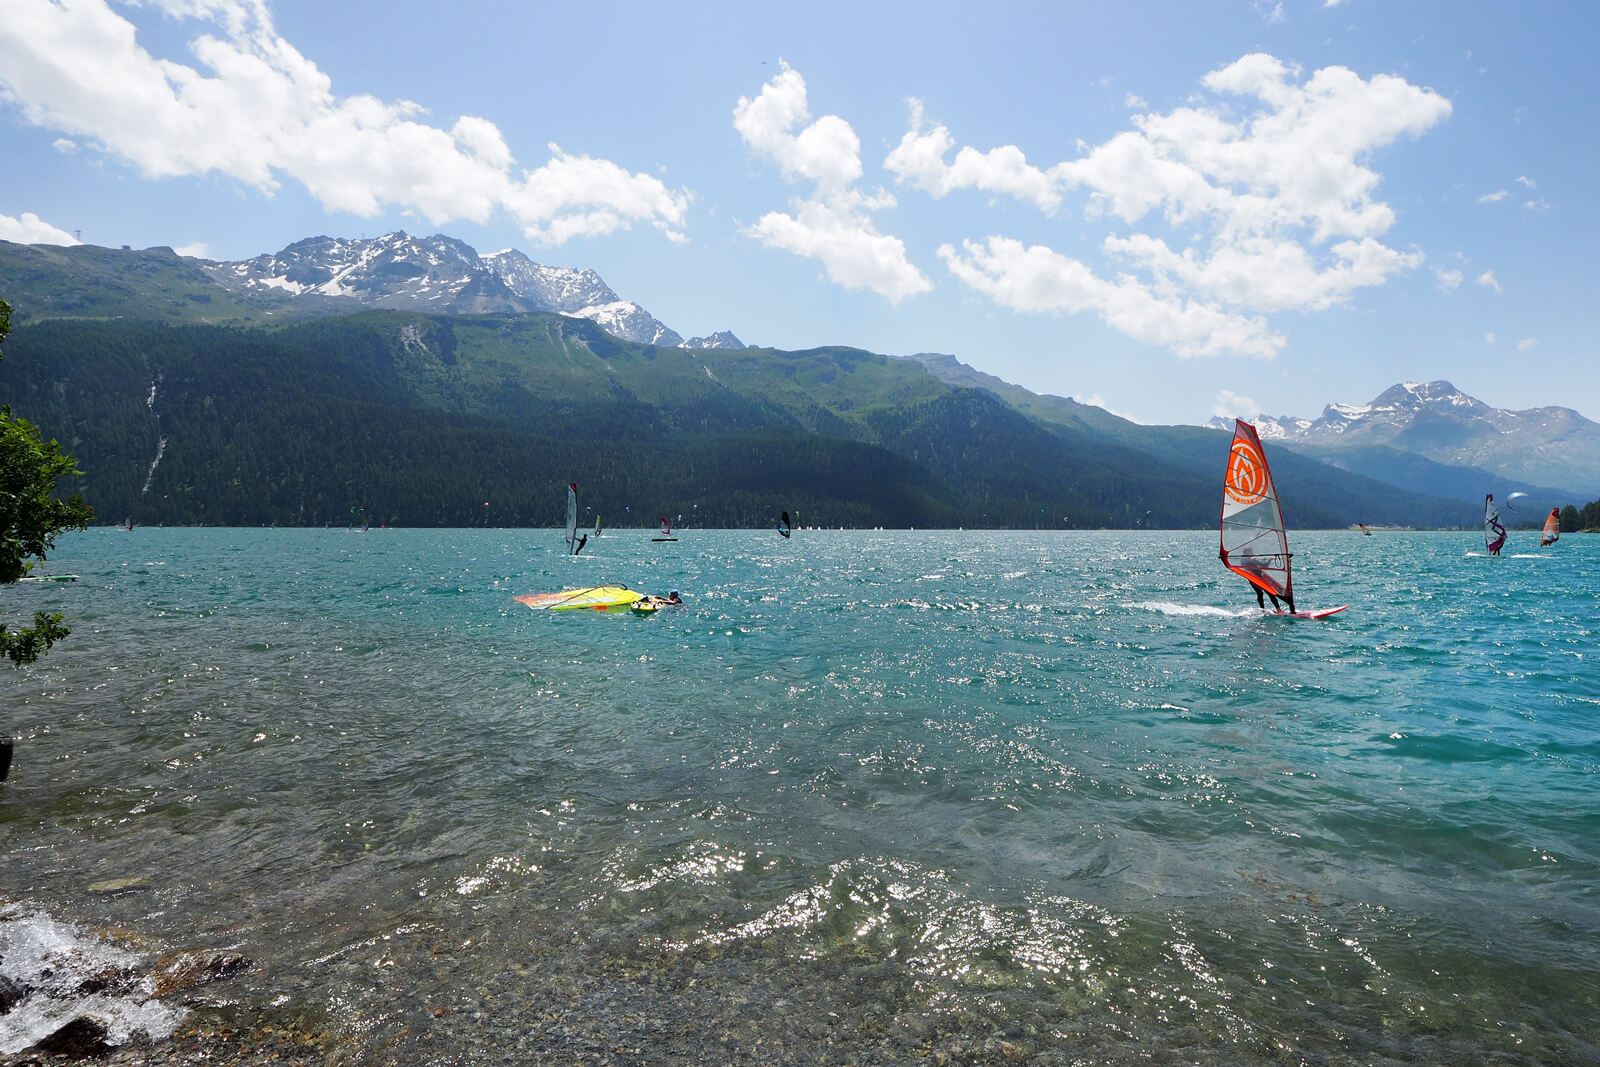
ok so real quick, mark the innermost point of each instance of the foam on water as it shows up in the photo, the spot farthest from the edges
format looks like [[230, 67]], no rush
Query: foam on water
[[63, 973]]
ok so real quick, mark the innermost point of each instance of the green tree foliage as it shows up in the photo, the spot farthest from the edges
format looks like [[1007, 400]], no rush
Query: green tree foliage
[[1570, 519], [31, 516]]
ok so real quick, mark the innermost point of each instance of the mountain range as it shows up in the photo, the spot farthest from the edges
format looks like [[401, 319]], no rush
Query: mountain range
[[442, 345], [1540, 447], [443, 276]]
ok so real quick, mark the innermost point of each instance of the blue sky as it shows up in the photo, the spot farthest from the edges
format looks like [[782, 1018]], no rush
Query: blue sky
[[1171, 209]]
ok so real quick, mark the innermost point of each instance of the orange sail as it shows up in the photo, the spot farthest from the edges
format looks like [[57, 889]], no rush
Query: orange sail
[[1254, 545], [1552, 528]]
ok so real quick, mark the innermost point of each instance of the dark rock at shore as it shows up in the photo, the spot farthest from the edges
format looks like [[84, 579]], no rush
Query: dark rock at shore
[[81, 1039], [10, 994]]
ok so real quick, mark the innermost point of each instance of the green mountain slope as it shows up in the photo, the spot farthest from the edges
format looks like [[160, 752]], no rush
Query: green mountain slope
[[422, 420], [88, 281]]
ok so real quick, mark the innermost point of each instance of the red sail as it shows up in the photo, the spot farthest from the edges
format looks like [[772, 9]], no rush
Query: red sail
[[1552, 528], [1254, 545]]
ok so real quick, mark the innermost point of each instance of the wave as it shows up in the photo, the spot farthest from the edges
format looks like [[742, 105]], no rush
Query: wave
[[1167, 607]]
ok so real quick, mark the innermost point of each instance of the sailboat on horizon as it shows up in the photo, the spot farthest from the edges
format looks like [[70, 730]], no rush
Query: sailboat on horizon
[[574, 542], [1255, 543]]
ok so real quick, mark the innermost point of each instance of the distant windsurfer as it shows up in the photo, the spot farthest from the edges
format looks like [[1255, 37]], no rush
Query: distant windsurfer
[[1494, 532], [1552, 529]]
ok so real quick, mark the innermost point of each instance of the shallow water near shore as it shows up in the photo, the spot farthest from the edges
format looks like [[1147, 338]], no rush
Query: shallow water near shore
[[1023, 796]]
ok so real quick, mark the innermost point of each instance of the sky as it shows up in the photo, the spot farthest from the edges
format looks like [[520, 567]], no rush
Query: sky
[[1174, 210]]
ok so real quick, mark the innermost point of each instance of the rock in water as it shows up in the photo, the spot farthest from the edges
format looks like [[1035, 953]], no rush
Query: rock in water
[[11, 994], [80, 1039]]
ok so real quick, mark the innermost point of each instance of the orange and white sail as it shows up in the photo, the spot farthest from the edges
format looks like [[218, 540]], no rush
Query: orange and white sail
[[1552, 528], [1254, 544]]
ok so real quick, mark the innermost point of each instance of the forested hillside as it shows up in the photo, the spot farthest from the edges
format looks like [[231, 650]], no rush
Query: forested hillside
[[431, 420]]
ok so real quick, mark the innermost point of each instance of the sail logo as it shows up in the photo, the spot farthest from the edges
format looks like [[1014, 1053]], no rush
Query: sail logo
[[1246, 482]]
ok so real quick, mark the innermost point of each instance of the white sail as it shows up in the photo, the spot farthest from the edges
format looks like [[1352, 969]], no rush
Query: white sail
[[1494, 531], [572, 518]]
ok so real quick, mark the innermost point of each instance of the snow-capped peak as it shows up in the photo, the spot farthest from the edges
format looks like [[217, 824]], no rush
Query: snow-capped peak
[[443, 275]]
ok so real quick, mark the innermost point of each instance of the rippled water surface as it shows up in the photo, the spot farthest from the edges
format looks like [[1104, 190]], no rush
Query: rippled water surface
[[1033, 797]]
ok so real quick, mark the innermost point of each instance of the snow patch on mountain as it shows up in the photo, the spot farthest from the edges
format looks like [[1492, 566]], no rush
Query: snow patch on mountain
[[1551, 446], [624, 318], [720, 339], [445, 276]]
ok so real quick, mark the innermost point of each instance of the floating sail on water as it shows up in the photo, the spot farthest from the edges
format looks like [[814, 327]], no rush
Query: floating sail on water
[[783, 525], [1552, 528], [1254, 544], [594, 598], [1494, 531]]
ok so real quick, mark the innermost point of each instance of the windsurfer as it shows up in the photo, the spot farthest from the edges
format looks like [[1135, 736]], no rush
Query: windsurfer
[[672, 599], [1249, 561], [1494, 532], [578, 547]]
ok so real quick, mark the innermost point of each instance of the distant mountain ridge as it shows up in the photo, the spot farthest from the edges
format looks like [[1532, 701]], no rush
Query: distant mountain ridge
[[1545, 446], [441, 275]]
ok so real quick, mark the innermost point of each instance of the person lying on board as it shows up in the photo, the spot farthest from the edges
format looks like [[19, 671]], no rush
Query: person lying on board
[[672, 599]]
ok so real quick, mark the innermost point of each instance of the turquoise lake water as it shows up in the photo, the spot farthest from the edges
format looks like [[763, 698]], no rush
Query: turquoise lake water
[[1020, 797]]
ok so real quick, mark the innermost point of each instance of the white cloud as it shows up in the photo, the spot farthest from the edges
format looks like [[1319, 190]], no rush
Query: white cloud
[[1449, 279], [826, 152], [1098, 401], [30, 229], [1489, 281], [1494, 197], [1488, 338], [1231, 405], [195, 250], [834, 225], [1539, 206], [64, 145], [1038, 279], [254, 109], [919, 160], [1527, 344], [1271, 11], [1527, 181], [838, 232], [1275, 211]]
